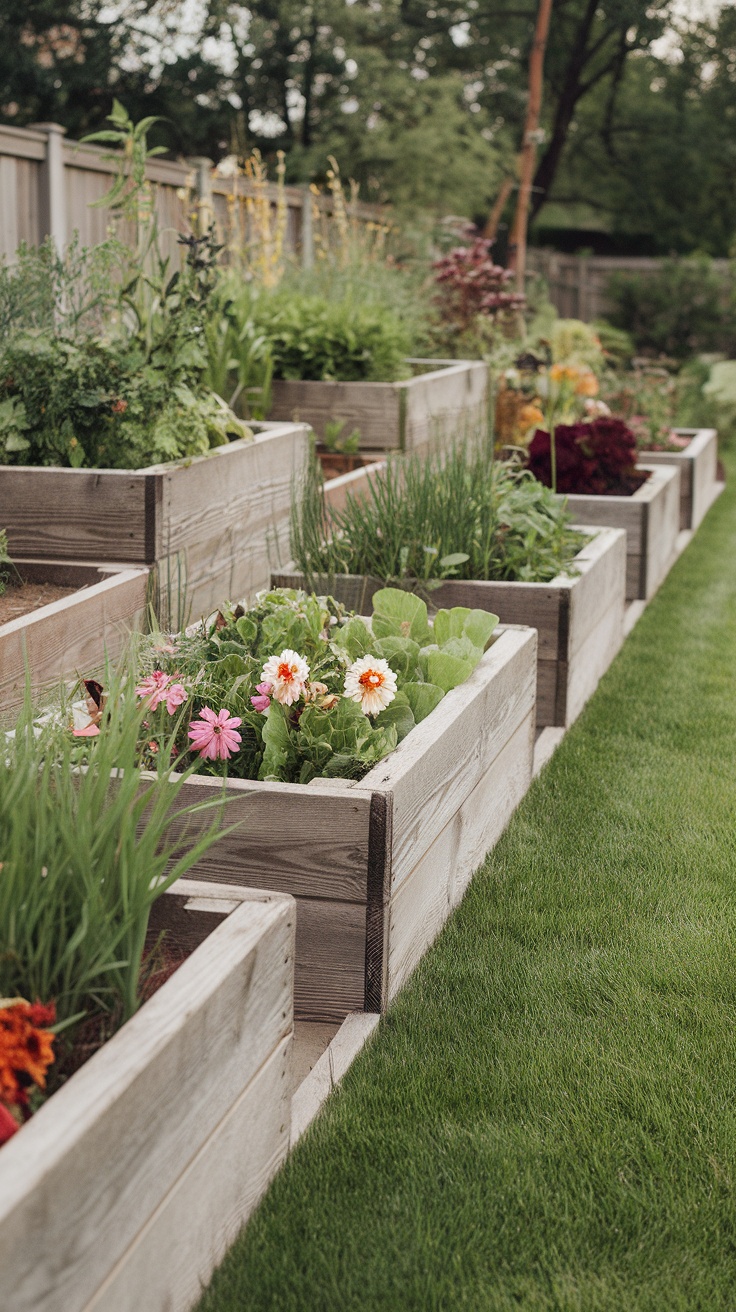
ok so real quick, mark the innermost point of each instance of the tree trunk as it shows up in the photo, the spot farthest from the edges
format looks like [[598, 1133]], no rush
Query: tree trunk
[[517, 244]]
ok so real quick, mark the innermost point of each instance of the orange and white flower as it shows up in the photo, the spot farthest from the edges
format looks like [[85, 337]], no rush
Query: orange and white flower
[[372, 682], [288, 675]]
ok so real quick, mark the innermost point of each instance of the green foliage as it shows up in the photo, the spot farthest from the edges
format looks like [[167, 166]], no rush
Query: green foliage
[[683, 308], [83, 857], [576, 343], [461, 515], [5, 561], [324, 734], [312, 337], [617, 345]]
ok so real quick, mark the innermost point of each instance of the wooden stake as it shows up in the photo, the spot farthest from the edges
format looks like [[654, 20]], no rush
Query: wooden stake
[[517, 244]]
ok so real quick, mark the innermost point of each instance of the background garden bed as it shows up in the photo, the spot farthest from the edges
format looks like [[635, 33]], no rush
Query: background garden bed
[[73, 635], [651, 518], [124, 1191], [580, 619], [376, 866], [698, 466], [209, 525], [446, 398]]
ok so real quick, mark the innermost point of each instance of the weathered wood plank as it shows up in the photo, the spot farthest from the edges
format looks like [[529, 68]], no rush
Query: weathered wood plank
[[71, 636], [80, 514], [698, 465], [663, 526], [436, 885], [435, 768], [107, 1143], [177, 1251]]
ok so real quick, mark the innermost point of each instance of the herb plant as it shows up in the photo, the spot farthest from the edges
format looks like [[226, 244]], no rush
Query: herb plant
[[296, 688], [315, 338], [423, 520]]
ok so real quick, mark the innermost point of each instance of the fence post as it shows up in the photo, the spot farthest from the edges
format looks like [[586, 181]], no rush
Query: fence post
[[203, 185], [52, 187], [307, 233]]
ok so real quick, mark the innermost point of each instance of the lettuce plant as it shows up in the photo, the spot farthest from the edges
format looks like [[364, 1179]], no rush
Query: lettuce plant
[[296, 688]]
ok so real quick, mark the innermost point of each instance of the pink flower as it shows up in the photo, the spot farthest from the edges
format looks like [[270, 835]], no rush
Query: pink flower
[[214, 736], [263, 702], [89, 731], [158, 688]]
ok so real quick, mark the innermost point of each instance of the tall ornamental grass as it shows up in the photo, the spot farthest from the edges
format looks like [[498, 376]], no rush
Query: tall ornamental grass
[[85, 851], [422, 519]]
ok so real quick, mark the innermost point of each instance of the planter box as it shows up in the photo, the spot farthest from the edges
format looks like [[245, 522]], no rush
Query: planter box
[[651, 518], [73, 635], [210, 520], [579, 620], [377, 865], [449, 400], [698, 466], [124, 1191]]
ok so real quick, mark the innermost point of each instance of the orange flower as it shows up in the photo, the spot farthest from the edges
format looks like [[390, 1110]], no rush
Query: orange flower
[[26, 1049], [587, 385], [564, 373], [530, 416]]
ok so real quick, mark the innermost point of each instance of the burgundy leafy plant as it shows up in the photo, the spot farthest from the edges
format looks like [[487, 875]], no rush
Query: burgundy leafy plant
[[471, 285], [597, 458]]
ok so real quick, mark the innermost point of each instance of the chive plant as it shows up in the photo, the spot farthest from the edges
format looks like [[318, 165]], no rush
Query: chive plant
[[87, 844], [421, 519]]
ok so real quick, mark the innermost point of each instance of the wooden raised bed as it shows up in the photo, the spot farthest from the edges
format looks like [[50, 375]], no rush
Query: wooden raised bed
[[74, 634], [651, 518], [377, 865], [698, 466], [124, 1191], [580, 619], [211, 520], [445, 399]]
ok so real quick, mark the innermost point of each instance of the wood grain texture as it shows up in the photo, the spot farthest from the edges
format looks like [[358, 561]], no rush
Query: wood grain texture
[[647, 518], [437, 404], [72, 636], [424, 900], [98, 1163], [356, 484], [698, 465], [74, 514], [435, 768]]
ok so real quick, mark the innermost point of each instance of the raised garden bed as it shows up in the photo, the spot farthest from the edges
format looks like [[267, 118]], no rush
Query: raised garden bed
[[126, 1188], [72, 634], [208, 524], [580, 619], [651, 518], [445, 398], [377, 865], [698, 466]]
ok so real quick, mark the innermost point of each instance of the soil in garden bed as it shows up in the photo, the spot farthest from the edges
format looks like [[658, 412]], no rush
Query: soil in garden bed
[[22, 598]]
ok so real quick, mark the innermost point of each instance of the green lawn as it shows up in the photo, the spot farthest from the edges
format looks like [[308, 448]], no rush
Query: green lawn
[[547, 1117]]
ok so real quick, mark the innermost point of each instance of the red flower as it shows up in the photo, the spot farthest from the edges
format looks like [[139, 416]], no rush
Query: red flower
[[8, 1125], [597, 458], [26, 1049], [119, 407]]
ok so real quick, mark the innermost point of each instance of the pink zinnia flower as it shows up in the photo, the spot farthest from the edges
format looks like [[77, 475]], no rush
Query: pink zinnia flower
[[287, 675], [158, 688], [214, 736], [262, 702], [89, 731]]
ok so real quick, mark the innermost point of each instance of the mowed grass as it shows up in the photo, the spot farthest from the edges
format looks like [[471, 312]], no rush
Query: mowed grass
[[547, 1116]]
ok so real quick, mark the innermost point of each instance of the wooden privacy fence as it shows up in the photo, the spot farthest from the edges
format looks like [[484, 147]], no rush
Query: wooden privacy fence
[[47, 186], [578, 284]]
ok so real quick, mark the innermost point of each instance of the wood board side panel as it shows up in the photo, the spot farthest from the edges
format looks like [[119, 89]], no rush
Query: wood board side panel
[[627, 513], [663, 526], [599, 588], [108, 1143], [589, 662], [446, 405], [73, 636], [705, 476], [439, 764], [74, 514], [227, 514], [329, 976], [373, 408], [177, 1251], [437, 884]]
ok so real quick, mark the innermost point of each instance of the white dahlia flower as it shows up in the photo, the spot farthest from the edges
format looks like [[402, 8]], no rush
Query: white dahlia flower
[[372, 682], [288, 675]]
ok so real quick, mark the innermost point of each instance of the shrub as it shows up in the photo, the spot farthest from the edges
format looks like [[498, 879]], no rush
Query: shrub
[[597, 458], [682, 308], [475, 299], [313, 338]]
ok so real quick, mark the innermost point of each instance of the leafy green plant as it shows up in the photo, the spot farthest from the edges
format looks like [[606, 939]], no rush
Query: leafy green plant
[[315, 338], [422, 520], [84, 853], [682, 308], [338, 442], [321, 721]]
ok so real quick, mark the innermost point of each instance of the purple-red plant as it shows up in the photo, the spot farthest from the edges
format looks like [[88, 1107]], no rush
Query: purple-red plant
[[597, 458], [472, 285]]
